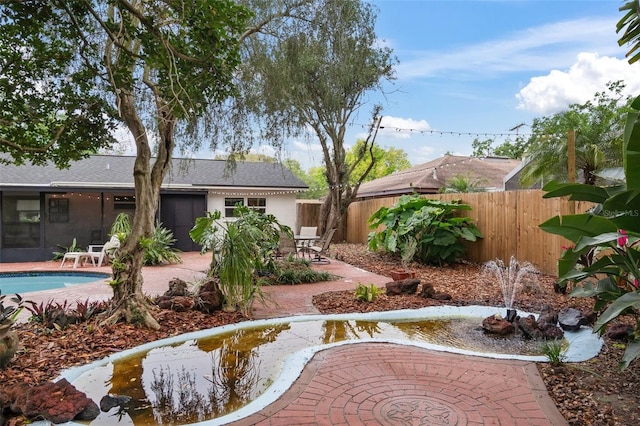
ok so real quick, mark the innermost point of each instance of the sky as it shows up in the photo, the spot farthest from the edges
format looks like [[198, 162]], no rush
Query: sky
[[476, 69]]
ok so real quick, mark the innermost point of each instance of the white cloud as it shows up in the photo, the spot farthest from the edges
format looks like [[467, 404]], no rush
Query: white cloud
[[557, 90], [544, 47], [401, 128]]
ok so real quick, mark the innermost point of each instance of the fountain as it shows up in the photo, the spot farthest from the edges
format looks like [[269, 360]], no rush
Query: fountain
[[511, 279]]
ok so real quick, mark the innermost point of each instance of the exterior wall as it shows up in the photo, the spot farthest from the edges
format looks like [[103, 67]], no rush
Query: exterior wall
[[278, 203]]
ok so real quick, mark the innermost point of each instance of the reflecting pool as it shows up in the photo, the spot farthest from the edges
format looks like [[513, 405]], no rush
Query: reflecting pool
[[223, 374]]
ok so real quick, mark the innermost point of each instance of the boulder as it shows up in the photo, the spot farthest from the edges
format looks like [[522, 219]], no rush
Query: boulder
[[177, 287], [619, 331], [427, 291], [550, 331], [571, 319], [548, 316], [497, 325], [529, 327], [110, 401], [57, 402], [176, 303], [209, 298], [397, 288]]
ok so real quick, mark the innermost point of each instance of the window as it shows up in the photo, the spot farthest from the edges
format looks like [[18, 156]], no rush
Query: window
[[230, 204], [58, 210], [257, 204]]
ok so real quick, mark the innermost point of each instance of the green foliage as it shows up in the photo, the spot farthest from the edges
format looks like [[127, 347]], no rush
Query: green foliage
[[508, 149], [239, 248], [366, 293], [74, 247], [8, 314], [463, 183], [298, 271], [387, 161], [612, 230], [630, 23], [422, 230], [598, 127], [157, 248], [554, 350]]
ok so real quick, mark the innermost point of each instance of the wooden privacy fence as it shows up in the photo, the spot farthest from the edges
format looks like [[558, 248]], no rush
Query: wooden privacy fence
[[509, 222]]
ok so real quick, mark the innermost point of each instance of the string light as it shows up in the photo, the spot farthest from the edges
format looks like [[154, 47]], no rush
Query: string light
[[452, 133]]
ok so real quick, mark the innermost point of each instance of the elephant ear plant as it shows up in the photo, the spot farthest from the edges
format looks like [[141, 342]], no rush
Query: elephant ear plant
[[423, 230], [8, 336], [612, 230]]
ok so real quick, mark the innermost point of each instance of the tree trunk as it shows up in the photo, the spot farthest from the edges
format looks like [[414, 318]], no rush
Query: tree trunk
[[129, 303]]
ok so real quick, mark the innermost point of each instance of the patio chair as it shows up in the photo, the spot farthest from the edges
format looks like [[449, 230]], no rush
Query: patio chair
[[318, 252], [286, 246], [306, 236], [97, 254]]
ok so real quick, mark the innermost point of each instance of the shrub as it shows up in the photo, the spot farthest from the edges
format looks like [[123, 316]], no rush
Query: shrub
[[367, 293], [422, 230]]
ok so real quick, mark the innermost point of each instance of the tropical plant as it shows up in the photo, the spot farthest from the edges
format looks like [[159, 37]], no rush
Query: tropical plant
[[157, 248], [238, 249], [463, 183], [74, 247], [422, 230], [8, 336], [598, 127], [366, 293], [613, 229], [555, 351]]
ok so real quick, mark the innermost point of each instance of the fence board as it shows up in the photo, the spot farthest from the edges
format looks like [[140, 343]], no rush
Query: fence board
[[509, 222]]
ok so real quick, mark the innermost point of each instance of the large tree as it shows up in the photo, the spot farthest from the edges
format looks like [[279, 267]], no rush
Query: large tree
[[158, 66], [318, 79], [598, 127], [387, 161]]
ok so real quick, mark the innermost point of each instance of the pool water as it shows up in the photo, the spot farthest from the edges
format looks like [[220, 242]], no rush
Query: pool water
[[26, 282]]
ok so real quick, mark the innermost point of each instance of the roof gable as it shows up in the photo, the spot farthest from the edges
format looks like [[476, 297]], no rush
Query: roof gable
[[429, 177]]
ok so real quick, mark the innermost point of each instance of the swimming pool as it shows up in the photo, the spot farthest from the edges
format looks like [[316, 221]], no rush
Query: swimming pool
[[26, 282]]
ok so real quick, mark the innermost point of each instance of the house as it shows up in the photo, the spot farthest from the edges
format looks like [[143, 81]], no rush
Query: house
[[430, 177], [44, 208]]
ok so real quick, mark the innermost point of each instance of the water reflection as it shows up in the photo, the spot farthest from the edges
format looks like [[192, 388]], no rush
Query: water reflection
[[207, 378]]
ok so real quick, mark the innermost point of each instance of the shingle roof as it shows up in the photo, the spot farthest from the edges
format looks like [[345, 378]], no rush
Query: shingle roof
[[104, 171], [431, 176]]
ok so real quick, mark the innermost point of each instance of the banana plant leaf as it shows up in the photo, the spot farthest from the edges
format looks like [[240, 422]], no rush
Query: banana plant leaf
[[574, 227], [576, 191]]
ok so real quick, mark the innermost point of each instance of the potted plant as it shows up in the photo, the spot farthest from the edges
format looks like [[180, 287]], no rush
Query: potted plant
[[8, 336]]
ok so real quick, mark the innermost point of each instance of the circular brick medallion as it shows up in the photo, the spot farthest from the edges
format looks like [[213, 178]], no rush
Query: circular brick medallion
[[415, 410]]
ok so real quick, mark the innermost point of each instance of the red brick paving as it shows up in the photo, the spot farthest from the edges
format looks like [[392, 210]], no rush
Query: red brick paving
[[368, 383]]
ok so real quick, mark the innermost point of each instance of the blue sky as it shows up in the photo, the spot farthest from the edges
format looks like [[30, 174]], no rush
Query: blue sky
[[478, 68]]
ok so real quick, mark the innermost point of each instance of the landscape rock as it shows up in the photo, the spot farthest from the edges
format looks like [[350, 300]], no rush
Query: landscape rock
[[210, 297], [550, 331], [619, 331], [397, 288], [57, 402], [176, 303], [427, 291], [529, 327], [110, 401], [548, 316], [495, 324], [571, 319], [177, 287]]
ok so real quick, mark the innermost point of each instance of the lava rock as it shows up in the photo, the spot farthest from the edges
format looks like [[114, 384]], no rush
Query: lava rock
[[177, 287], [529, 327], [548, 316], [397, 288], [571, 319], [57, 402], [210, 297], [176, 303], [427, 291], [110, 401], [619, 331], [495, 324], [550, 331]]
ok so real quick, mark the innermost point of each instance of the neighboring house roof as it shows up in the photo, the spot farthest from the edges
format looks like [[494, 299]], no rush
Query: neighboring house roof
[[429, 177], [113, 171]]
